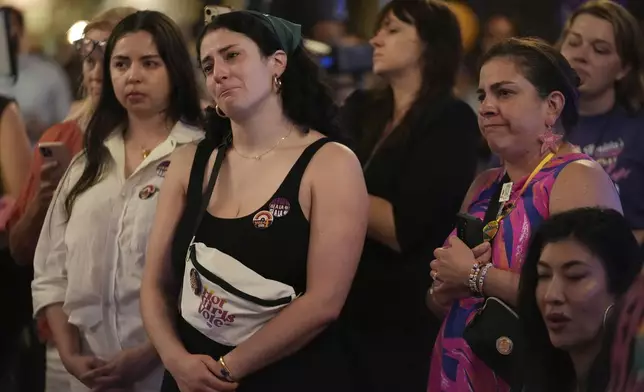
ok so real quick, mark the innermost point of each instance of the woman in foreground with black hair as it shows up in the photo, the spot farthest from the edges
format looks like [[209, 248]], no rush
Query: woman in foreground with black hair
[[579, 264], [89, 259], [276, 241]]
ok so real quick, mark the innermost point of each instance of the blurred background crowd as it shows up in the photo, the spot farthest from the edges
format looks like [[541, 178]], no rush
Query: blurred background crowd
[[537, 140]]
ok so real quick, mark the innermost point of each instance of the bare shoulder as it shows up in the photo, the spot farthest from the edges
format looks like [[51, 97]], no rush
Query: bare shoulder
[[181, 164], [11, 114], [334, 170], [185, 153], [583, 183], [334, 150], [335, 159], [581, 171]]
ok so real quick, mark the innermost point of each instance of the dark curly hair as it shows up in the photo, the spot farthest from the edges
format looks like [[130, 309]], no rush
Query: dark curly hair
[[306, 99]]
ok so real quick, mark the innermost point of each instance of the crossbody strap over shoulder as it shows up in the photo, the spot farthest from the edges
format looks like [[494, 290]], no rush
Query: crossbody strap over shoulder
[[207, 194]]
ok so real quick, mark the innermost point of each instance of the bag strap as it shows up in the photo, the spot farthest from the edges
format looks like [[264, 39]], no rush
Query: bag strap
[[495, 203], [221, 154]]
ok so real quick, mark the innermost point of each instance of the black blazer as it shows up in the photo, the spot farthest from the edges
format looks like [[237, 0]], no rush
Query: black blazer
[[424, 170]]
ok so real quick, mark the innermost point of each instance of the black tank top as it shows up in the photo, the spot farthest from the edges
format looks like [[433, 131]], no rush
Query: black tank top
[[278, 252]]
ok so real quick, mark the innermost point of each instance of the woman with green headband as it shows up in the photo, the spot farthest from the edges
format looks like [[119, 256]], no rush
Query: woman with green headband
[[264, 221]]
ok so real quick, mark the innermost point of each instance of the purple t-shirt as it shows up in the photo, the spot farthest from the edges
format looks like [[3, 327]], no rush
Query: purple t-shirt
[[616, 141]]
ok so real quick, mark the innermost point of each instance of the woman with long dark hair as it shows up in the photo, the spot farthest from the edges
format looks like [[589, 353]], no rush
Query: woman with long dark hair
[[89, 259], [578, 266], [264, 220], [418, 148]]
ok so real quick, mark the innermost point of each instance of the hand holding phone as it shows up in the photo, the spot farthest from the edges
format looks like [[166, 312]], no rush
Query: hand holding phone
[[56, 157], [469, 229], [55, 151]]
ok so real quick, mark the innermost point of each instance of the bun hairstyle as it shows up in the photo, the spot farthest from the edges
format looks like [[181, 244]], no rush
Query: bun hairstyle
[[547, 70]]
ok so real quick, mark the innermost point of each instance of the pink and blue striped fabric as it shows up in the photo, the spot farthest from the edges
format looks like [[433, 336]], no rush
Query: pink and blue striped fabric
[[454, 367]]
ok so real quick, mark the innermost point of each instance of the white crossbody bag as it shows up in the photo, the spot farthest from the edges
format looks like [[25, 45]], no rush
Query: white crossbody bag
[[221, 297]]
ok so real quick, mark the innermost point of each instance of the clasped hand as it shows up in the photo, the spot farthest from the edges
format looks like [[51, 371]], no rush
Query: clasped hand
[[452, 267], [199, 373], [118, 374]]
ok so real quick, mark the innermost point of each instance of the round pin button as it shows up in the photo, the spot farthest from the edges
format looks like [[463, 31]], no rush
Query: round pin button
[[279, 207], [504, 345], [195, 282], [263, 220], [162, 168], [147, 192]]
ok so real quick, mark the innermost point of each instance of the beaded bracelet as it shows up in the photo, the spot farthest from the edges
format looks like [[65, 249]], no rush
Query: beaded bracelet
[[474, 272], [482, 276]]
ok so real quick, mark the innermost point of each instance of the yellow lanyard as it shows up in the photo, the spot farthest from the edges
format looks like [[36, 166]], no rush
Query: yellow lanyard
[[490, 229]]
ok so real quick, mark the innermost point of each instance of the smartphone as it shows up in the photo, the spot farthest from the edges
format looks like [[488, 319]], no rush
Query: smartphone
[[57, 152], [212, 11], [469, 229]]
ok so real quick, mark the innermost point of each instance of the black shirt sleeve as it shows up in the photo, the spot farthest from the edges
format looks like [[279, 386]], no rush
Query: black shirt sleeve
[[438, 168]]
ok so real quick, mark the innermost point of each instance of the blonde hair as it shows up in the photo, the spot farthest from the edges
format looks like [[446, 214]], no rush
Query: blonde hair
[[106, 20]]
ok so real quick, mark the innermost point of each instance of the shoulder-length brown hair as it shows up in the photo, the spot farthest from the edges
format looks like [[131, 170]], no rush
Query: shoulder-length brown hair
[[628, 39]]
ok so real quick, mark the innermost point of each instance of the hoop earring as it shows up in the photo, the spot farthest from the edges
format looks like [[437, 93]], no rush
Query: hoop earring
[[220, 112], [606, 314], [277, 82]]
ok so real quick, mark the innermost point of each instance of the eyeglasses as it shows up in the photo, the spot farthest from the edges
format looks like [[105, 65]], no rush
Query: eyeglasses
[[85, 47]]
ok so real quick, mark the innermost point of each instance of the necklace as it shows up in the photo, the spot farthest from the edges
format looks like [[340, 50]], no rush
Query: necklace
[[145, 152], [259, 156]]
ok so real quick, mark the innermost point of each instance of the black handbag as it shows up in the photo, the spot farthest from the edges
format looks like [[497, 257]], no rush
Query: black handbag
[[495, 334]]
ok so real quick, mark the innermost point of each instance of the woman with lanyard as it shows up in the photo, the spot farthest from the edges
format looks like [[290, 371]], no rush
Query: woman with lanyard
[[277, 216], [418, 147], [28, 216], [603, 43], [528, 101], [89, 259]]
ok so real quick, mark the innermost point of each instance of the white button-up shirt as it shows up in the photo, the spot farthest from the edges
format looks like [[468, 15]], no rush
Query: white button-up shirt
[[93, 262]]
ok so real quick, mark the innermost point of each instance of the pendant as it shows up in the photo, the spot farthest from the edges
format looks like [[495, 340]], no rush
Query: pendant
[[490, 230], [146, 153]]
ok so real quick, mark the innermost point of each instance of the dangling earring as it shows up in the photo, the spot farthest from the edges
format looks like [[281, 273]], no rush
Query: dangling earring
[[277, 82], [606, 314], [549, 140], [220, 112]]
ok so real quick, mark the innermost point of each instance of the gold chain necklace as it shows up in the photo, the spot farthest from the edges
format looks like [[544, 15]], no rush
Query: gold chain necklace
[[145, 152], [259, 156]]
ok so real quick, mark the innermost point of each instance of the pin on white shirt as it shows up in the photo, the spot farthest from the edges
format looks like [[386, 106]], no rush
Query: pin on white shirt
[[93, 262]]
